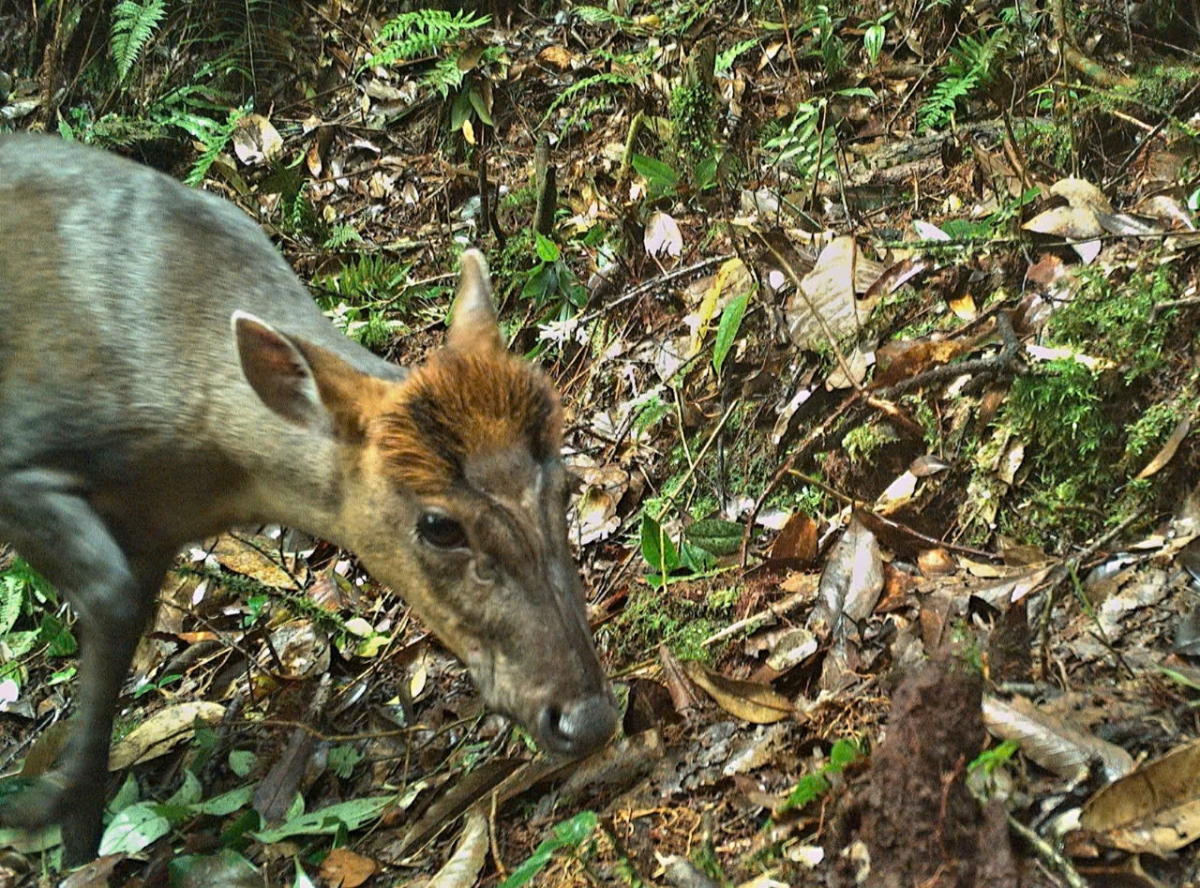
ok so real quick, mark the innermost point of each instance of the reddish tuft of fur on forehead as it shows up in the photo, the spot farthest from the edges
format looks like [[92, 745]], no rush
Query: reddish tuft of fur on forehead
[[457, 406]]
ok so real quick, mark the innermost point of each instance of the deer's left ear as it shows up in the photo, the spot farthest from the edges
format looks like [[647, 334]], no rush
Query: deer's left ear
[[474, 328]]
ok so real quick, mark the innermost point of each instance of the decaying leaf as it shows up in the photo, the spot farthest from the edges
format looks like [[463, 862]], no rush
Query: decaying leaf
[[256, 140], [344, 868], [1050, 742], [162, 732], [462, 869], [747, 700], [850, 583], [1154, 810], [825, 306]]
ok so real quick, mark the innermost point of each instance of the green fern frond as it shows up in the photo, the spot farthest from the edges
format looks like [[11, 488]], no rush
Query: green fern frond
[[211, 134], [610, 78], [133, 24], [594, 15], [973, 62], [421, 33]]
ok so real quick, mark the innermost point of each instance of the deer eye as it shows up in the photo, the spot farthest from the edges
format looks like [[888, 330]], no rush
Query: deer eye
[[441, 531]]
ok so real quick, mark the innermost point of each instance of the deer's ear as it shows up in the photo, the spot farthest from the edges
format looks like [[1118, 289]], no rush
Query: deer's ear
[[473, 326], [278, 372]]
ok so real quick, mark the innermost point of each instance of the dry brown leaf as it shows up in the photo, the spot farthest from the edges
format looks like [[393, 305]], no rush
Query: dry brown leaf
[[797, 540], [162, 732], [558, 56], [464, 865], [1154, 810], [1052, 743], [825, 304], [746, 700], [344, 868], [1167, 452]]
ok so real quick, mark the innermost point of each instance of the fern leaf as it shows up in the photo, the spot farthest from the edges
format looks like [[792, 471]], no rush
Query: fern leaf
[[133, 24]]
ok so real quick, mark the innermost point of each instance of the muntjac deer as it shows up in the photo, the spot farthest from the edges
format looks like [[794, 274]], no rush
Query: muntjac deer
[[164, 376]]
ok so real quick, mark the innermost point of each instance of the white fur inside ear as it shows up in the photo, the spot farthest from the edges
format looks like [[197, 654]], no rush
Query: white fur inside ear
[[278, 372]]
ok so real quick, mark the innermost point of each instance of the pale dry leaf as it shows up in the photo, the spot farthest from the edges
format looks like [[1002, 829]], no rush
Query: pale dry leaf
[[162, 732], [850, 583], [1049, 741], [747, 700], [1154, 810], [1167, 452], [1081, 193], [825, 304], [663, 237], [255, 139], [465, 864]]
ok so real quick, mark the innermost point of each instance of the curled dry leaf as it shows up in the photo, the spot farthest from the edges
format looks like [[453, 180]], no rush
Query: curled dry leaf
[[825, 304], [255, 139], [162, 732], [1154, 810], [1060, 748], [344, 868], [463, 867], [747, 700]]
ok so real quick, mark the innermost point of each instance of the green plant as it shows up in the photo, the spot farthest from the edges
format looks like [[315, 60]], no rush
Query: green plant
[[567, 836], [133, 24], [422, 33], [806, 144], [550, 282], [973, 63], [874, 33], [812, 786], [430, 33]]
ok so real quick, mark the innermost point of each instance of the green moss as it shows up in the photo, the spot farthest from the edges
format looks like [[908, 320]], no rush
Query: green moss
[[652, 618]]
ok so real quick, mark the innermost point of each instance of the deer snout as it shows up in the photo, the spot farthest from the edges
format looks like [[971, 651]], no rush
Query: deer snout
[[579, 728]]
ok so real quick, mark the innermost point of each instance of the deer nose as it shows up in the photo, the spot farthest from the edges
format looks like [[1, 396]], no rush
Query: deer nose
[[581, 727]]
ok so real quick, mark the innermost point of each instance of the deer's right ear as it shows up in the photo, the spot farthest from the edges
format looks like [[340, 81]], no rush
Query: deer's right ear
[[278, 372], [474, 328]]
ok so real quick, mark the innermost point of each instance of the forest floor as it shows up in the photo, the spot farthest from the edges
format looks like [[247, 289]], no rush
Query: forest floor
[[876, 334]]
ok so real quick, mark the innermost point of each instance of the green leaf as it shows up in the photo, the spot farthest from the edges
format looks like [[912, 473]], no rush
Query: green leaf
[[134, 828], [569, 834], [480, 106], [727, 330], [226, 868], [657, 173], [327, 821], [716, 535], [226, 803], [547, 249], [657, 548]]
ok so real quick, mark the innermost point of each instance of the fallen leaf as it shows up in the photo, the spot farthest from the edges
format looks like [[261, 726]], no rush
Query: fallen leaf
[[747, 700], [663, 237], [464, 865], [162, 732], [344, 868], [1154, 810]]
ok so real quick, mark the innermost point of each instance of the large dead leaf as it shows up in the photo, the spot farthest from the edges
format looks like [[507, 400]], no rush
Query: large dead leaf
[[1154, 810], [162, 732], [747, 700], [462, 869], [850, 584], [825, 306], [344, 868], [1060, 748]]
